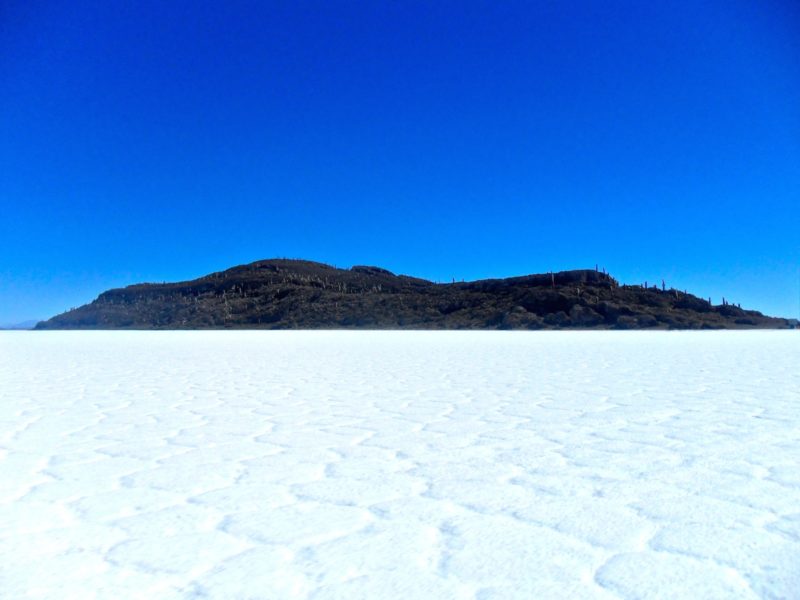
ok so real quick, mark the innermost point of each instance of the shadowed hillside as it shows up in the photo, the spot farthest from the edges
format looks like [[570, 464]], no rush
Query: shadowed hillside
[[298, 294]]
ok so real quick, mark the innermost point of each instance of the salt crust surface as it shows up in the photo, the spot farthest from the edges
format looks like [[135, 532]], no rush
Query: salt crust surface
[[233, 465]]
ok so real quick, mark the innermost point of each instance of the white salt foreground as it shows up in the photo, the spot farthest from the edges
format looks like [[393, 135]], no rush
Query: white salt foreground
[[410, 465]]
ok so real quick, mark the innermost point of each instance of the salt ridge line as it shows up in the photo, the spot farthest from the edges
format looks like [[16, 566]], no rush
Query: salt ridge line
[[366, 464]]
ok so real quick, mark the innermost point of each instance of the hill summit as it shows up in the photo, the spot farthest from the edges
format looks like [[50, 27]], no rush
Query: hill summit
[[300, 294]]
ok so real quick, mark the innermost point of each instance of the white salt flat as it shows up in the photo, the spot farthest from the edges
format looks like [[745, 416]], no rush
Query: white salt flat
[[257, 464]]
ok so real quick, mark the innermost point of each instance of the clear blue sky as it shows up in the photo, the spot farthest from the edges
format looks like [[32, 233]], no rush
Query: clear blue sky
[[152, 141]]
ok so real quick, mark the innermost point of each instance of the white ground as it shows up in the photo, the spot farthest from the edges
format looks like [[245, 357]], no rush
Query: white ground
[[411, 465]]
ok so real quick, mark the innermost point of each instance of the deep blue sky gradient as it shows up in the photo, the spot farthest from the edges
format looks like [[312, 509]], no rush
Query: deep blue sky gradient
[[152, 141]]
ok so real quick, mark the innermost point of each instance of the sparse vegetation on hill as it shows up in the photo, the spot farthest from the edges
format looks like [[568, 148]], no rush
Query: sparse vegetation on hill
[[298, 294]]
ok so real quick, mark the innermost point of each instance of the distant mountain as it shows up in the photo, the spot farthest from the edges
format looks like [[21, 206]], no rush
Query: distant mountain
[[299, 294], [23, 325]]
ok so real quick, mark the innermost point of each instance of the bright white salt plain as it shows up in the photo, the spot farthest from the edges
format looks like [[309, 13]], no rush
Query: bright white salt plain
[[408, 465]]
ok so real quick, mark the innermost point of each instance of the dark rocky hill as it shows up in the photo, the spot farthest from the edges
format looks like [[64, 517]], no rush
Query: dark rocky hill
[[298, 294]]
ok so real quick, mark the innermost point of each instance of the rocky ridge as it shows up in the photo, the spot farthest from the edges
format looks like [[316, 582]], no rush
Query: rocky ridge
[[299, 294]]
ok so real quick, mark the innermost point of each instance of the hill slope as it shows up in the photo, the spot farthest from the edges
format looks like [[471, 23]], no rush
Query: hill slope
[[297, 294]]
